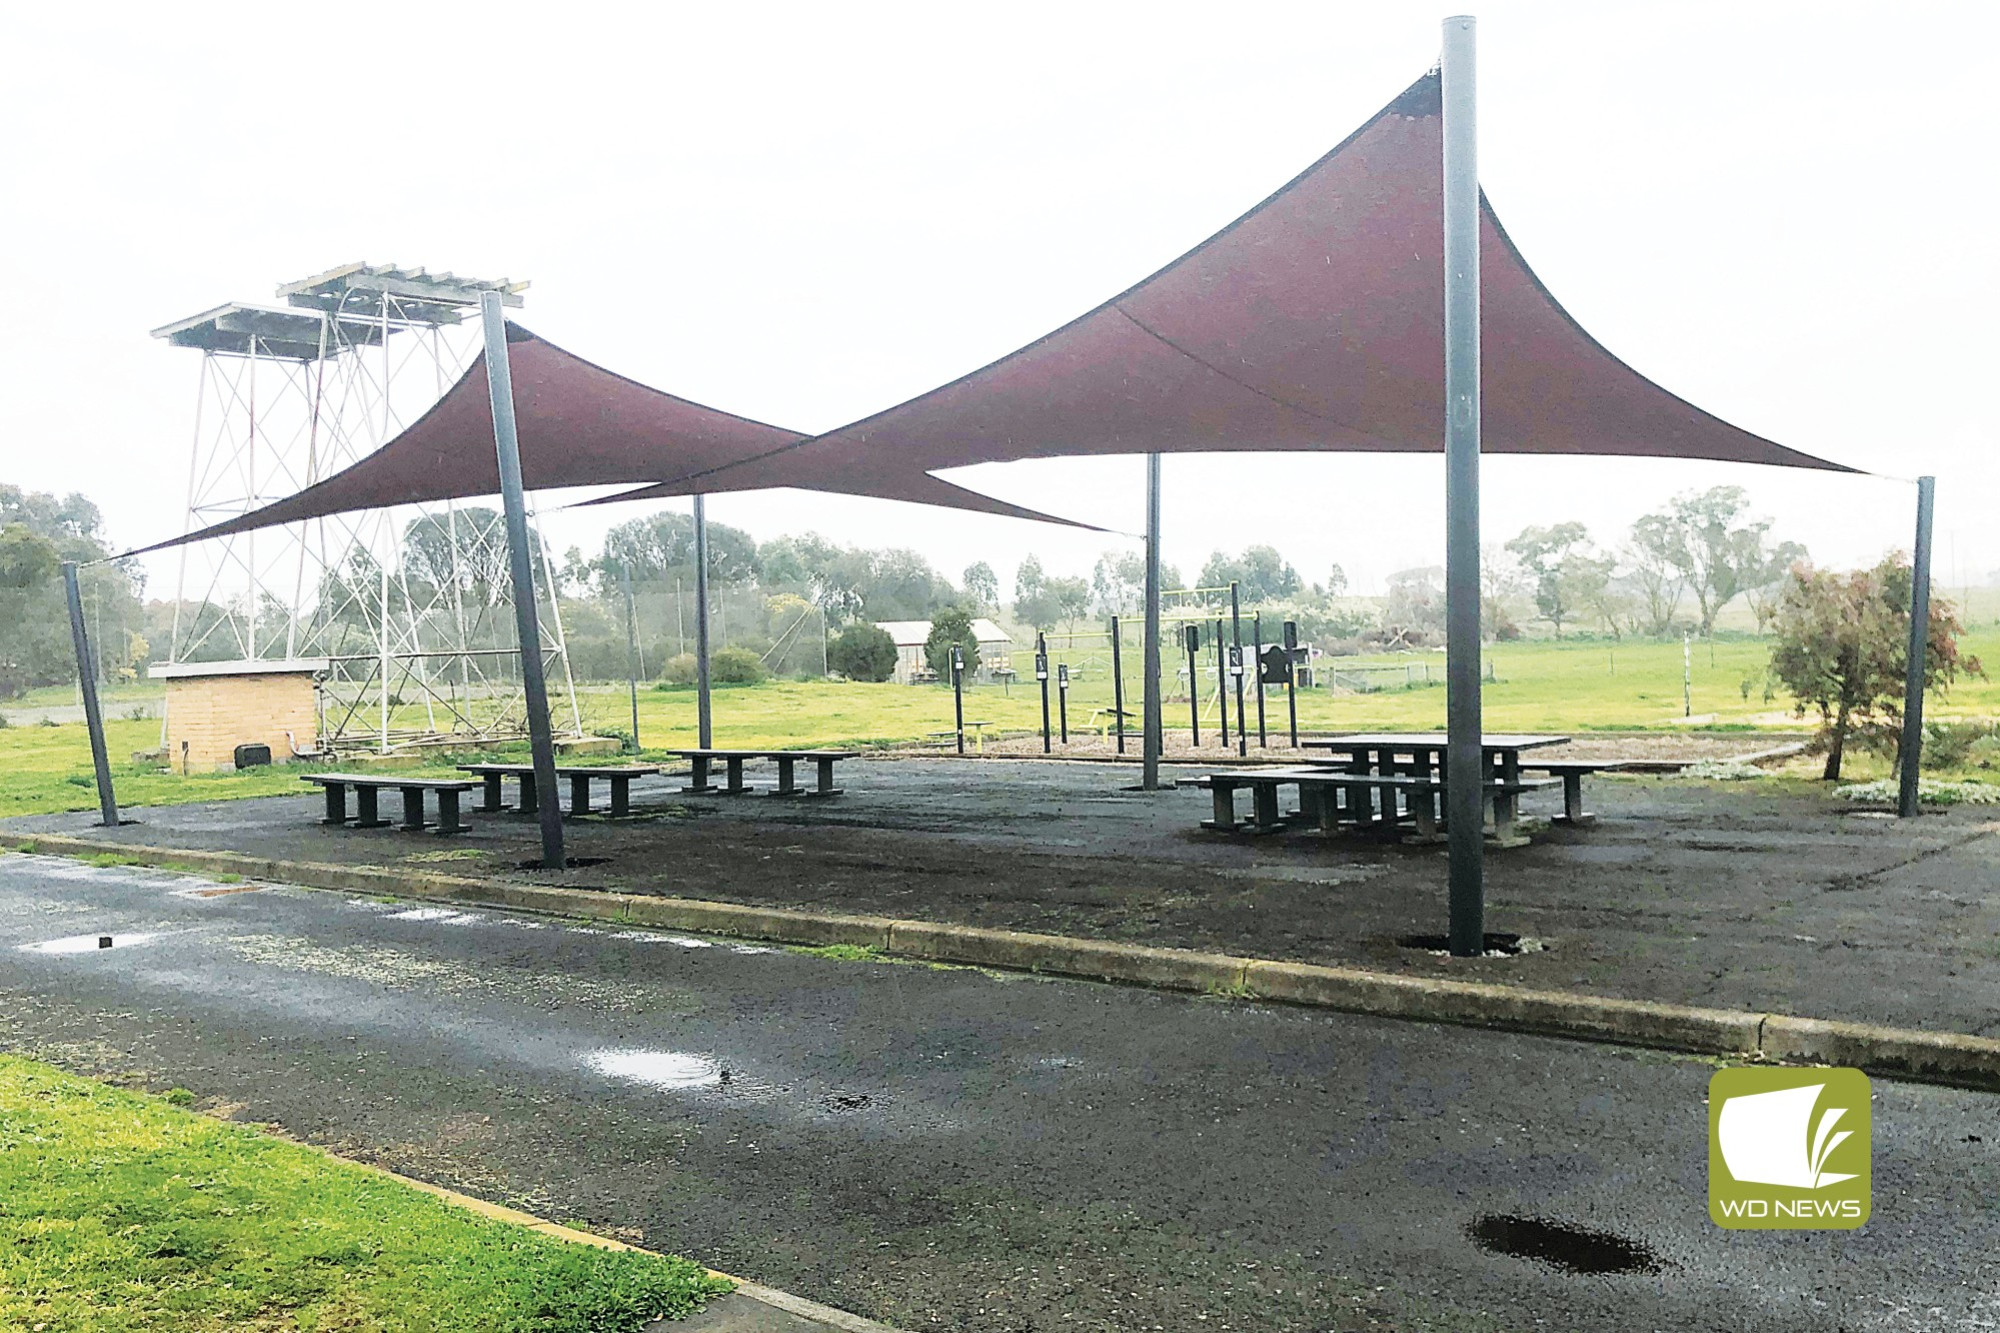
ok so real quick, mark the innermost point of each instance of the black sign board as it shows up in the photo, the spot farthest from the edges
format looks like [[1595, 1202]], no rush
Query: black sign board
[[1062, 675], [1272, 664], [1235, 659], [1041, 666]]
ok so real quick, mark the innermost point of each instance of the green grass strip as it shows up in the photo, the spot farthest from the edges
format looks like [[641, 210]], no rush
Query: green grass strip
[[120, 1212]]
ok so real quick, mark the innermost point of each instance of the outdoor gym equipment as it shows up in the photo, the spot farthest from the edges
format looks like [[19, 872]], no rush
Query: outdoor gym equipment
[[1193, 639], [958, 694], [1236, 669], [1042, 676]]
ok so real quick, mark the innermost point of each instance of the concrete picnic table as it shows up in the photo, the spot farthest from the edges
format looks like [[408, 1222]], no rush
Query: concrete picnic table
[[1380, 752]]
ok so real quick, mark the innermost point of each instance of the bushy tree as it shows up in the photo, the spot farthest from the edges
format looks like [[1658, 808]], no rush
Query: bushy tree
[[1842, 647], [1703, 543], [1035, 602], [982, 586], [953, 625], [1260, 573], [1118, 582], [863, 652], [1414, 605], [737, 666], [39, 531], [1549, 556]]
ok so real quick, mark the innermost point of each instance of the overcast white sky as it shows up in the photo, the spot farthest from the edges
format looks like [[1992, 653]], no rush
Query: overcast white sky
[[807, 212]]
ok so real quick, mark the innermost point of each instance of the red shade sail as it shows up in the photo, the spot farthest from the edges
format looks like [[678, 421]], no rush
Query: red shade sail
[[1315, 321], [580, 425]]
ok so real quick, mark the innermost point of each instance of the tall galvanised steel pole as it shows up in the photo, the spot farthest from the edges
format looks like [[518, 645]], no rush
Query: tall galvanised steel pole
[[704, 727], [631, 646], [1464, 760], [1912, 750], [86, 679], [527, 627], [1152, 723]]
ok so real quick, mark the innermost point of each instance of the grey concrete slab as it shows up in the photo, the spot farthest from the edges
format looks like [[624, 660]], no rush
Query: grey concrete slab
[[943, 1148]]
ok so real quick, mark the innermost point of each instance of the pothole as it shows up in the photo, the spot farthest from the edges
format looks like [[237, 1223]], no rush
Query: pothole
[[846, 1101], [1560, 1245], [1496, 944]]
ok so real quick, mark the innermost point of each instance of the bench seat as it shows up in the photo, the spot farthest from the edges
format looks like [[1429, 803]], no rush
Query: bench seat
[[580, 777], [1572, 772], [786, 760], [1328, 798], [367, 790]]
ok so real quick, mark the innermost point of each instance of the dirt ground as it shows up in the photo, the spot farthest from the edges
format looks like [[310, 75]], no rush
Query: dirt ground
[[1723, 894]]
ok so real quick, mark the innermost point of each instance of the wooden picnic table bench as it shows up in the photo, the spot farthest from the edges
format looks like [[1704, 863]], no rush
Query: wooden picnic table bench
[[580, 777], [368, 787], [787, 760], [1330, 798]]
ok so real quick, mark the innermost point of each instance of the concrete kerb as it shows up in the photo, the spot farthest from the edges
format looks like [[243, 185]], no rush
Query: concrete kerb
[[1932, 1057]]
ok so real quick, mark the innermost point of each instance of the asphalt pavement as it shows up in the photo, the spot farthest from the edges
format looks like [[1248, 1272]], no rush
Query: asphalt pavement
[[942, 1148]]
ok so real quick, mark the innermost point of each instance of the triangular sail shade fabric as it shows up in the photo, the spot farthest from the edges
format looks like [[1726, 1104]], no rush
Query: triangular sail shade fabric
[[579, 425], [1313, 322]]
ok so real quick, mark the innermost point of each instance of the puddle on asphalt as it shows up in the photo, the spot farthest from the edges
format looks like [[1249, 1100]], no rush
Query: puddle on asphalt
[[93, 943], [654, 937], [444, 916], [1560, 1245], [658, 1069]]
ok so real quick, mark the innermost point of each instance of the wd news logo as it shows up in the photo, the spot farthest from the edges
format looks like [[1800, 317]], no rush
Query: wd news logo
[[1788, 1148]]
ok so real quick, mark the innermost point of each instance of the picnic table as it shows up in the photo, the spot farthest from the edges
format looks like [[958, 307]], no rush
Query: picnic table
[[367, 790], [1383, 753], [732, 761], [580, 777]]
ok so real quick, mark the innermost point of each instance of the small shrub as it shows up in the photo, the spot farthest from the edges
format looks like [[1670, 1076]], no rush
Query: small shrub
[[1722, 770], [1929, 792], [863, 652], [737, 666], [679, 670], [1950, 744]]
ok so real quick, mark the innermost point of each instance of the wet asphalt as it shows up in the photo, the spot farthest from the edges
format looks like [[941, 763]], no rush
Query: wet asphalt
[[950, 1149]]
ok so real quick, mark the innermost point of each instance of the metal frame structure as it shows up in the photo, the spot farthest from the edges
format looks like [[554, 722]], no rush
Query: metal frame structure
[[289, 396]]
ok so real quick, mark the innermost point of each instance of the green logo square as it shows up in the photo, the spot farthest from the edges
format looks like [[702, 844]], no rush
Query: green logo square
[[1788, 1148]]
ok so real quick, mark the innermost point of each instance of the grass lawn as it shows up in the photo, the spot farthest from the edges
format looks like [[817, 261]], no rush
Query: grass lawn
[[1538, 685], [119, 1211]]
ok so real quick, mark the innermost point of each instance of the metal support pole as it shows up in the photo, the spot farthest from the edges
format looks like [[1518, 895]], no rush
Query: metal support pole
[[1257, 669], [631, 647], [527, 627], [1464, 759], [958, 693], [1117, 685], [86, 676], [1222, 684], [1912, 751], [1236, 668], [1292, 677], [1193, 634], [1687, 674], [1153, 723], [1062, 698], [1042, 675], [704, 719]]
